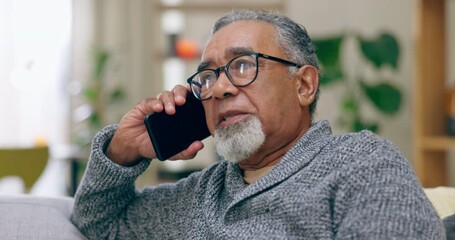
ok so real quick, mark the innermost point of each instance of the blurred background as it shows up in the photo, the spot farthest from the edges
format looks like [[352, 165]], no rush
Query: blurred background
[[70, 67]]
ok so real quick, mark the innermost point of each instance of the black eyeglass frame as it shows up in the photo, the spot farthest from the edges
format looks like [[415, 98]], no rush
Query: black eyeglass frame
[[225, 68]]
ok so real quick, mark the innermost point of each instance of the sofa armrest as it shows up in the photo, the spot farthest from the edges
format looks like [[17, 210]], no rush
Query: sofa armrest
[[33, 217]]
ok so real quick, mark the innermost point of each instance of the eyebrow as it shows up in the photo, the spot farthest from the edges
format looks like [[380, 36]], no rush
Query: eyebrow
[[231, 52]]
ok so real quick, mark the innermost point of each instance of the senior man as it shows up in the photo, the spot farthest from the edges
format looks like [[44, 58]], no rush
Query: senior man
[[283, 175]]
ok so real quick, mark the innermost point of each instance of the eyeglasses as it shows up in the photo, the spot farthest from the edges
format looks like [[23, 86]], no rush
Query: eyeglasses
[[241, 71]]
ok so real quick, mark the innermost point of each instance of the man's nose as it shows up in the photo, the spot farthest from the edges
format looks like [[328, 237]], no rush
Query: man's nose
[[223, 87]]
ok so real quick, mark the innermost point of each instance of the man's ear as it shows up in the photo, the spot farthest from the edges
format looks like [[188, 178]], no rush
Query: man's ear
[[307, 84]]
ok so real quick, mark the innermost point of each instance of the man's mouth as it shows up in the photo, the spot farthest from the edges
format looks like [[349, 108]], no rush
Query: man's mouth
[[231, 118]]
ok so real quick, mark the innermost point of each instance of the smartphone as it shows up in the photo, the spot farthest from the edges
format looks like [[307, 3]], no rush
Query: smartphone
[[171, 134]]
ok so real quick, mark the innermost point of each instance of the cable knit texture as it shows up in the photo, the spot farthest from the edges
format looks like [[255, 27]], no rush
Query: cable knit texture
[[352, 186]]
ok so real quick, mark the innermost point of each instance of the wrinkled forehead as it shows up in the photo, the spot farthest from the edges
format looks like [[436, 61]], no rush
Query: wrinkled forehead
[[239, 37]]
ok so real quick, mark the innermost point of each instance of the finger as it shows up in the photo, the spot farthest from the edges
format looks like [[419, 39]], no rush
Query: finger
[[180, 93], [167, 98], [190, 152], [149, 105]]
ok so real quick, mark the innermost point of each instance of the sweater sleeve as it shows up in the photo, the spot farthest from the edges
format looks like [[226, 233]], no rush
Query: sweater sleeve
[[108, 206], [380, 197]]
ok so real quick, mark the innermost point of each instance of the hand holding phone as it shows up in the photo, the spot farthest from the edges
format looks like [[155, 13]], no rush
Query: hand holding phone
[[171, 134]]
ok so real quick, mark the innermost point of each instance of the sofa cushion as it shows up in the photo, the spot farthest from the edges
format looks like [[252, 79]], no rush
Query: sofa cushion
[[443, 200], [33, 217]]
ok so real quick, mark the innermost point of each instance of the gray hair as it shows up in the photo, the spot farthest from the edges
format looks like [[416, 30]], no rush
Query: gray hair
[[290, 36]]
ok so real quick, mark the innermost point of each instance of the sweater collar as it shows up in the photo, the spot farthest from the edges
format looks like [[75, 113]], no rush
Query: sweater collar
[[300, 155]]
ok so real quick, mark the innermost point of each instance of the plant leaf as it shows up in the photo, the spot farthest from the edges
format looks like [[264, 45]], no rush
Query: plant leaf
[[349, 105], [381, 51], [95, 120], [360, 125], [91, 95], [116, 95], [328, 51], [384, 96], [100, 58]]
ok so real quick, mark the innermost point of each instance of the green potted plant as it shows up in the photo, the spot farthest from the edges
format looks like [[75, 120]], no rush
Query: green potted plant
[[374, 89]]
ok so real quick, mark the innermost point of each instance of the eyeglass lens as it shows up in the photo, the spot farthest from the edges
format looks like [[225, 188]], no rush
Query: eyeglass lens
[[241, 71]]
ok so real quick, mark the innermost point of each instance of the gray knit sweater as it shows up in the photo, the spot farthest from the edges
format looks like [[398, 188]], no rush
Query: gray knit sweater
[[354, 186]]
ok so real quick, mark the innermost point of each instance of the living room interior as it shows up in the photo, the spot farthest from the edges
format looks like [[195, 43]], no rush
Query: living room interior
[[70, 68]]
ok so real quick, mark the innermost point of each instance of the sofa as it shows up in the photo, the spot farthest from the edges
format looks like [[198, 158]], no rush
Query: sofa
[[33, 217], [25, 216]]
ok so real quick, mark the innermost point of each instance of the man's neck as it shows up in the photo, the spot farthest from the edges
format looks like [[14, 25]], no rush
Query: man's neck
[[251, 176]]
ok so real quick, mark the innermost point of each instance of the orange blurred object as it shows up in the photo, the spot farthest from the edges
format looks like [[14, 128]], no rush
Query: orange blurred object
[[187, 49], [40, 141]]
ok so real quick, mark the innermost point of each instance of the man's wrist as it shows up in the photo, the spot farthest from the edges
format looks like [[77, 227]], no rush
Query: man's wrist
[[120, 157]]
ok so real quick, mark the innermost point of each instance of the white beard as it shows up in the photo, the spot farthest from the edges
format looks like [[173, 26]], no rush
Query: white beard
[[240, 140]]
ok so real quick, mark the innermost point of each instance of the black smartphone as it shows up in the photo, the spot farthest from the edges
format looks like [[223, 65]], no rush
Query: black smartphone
[[171, 134]]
